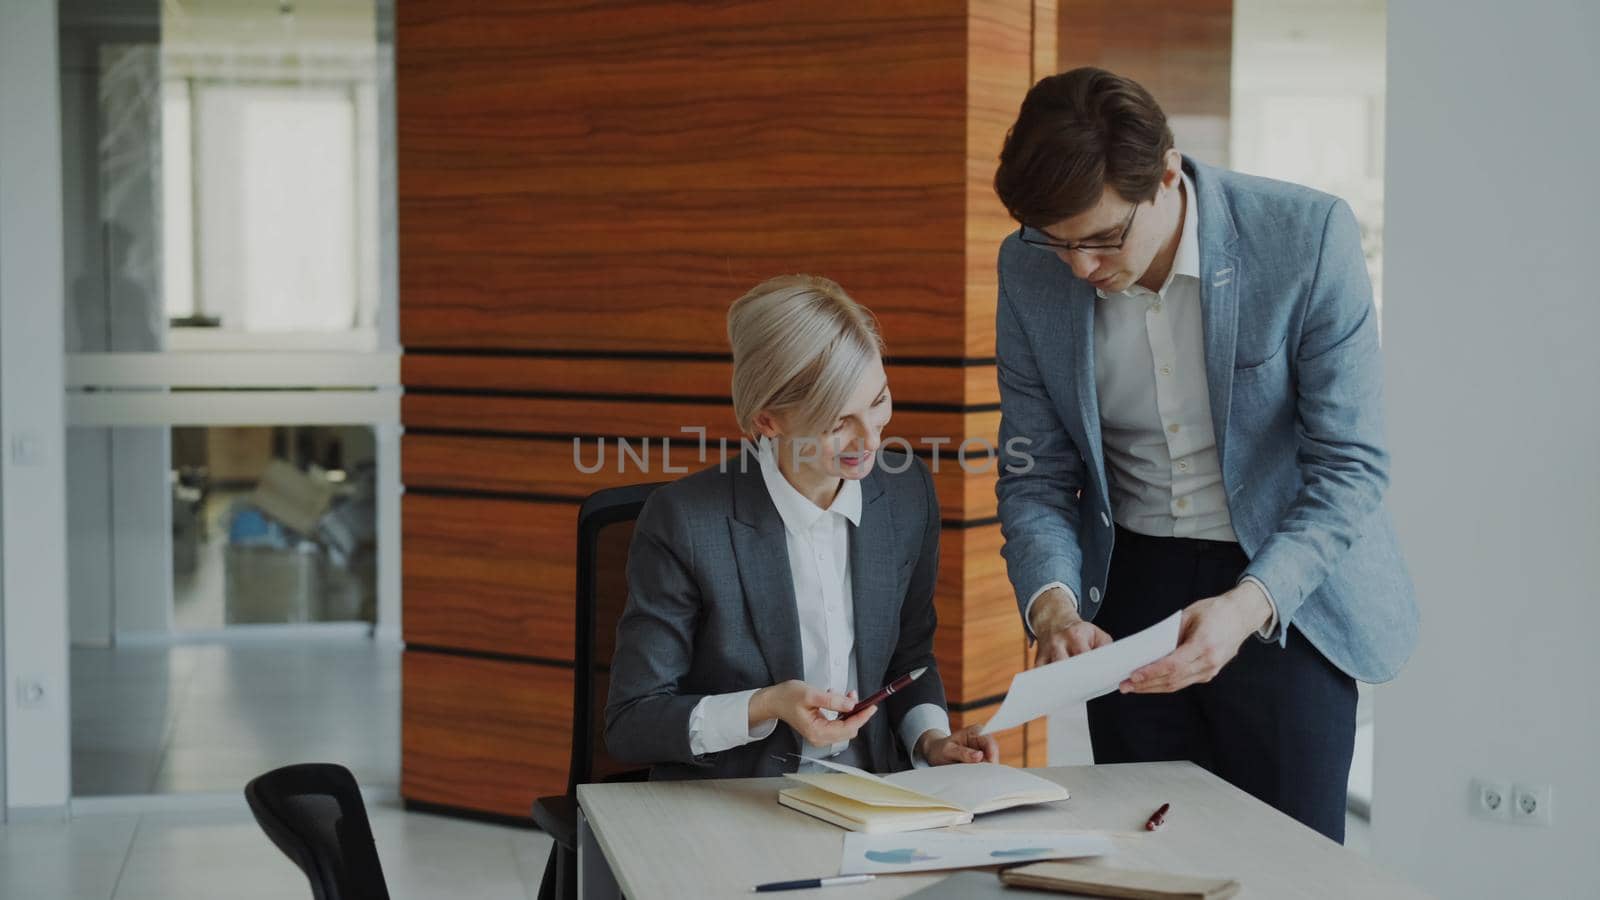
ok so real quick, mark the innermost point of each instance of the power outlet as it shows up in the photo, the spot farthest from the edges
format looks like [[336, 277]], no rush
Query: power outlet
[[1491, 799], [1530, 804]]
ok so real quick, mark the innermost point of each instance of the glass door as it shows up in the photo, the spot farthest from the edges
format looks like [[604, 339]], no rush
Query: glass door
[[232, 372]]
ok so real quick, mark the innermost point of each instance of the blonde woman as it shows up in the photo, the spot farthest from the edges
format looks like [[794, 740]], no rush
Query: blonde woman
[[768, 593]]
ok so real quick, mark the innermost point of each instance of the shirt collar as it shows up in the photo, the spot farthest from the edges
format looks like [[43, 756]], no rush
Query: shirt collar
[[1187, 260], [799, 514]]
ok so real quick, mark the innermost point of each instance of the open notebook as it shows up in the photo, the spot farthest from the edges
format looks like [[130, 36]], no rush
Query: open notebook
[[919, 798]]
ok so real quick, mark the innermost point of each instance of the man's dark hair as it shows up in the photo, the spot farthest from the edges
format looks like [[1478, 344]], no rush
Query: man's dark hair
[[1078, 132]]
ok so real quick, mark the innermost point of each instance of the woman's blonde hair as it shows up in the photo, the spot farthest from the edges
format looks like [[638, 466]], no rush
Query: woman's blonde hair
[[800, 346]]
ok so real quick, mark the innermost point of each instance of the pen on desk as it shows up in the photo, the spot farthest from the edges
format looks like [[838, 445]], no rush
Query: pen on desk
[[1158, 817], [804, 883], [899, 684]]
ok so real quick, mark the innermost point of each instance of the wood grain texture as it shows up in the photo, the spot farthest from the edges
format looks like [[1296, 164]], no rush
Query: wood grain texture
[[999, 73], [483, 734], [979, 643], [551, 468], [1046, 16], [528, 466], [967, 385], [499, 575], [596, 183], [598, 177], [1181, 52], [576, 416], [493, 576], [668, 839]]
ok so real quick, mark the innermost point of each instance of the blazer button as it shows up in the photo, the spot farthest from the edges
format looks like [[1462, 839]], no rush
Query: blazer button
[[1094, 595]]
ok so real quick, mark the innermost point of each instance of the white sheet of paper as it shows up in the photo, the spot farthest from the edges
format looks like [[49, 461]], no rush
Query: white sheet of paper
[[923, 851], [1054, 687]]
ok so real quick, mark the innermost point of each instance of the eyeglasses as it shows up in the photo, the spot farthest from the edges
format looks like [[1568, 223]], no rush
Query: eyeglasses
[[1033, 237]]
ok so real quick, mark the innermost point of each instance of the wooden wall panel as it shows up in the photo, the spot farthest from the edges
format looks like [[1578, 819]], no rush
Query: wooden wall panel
[[483, 734], [497, 576], [980, 639], [514, 465], [551, 468], [567, 417], [999, 73], [489, 575], [594, 177], [582, 192], [965, 384], [1181, 52]]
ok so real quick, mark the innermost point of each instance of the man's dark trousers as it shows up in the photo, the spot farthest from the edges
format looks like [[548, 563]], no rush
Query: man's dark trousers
[[1276, 722]]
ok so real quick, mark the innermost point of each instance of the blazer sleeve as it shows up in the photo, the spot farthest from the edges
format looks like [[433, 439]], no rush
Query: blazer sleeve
[[1343, 465], [1041, 472], [646, 716]]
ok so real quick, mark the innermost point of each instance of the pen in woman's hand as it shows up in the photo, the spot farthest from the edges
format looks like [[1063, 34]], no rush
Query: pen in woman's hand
[[899, 684]]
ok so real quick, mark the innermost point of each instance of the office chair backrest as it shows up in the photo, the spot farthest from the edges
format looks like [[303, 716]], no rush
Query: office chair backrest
[[605, 530], [314, 813]]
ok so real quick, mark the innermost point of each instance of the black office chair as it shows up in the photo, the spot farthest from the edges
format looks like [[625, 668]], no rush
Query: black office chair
[[314, 813], [605, 530]]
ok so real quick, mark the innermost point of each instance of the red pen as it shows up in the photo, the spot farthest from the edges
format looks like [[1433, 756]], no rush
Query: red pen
[[1157, 818], [899, 684]]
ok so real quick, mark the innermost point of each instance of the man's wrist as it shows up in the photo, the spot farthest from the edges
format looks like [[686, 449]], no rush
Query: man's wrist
[[1053, 610], [1252, 604]]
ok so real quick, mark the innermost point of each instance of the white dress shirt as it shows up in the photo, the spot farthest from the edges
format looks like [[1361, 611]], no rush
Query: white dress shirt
[[819, 562], [1155, 406]]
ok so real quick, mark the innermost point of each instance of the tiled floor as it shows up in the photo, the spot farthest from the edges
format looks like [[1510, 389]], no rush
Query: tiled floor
[[208, 717], [205, 718], [178, 856]]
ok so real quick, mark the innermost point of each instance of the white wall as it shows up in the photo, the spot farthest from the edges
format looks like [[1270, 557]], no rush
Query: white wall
[[1490, 338], [32, 507]]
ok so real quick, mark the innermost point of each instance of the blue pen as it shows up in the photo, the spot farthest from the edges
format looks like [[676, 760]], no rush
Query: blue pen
[[813, 883]]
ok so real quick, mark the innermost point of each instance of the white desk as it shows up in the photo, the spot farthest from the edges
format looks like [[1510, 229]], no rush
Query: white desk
[[719, 838]]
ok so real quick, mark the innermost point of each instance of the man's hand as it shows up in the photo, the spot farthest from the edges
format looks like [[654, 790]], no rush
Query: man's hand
[[1061, 632], [967, 745], [805, 709], [1208, 637]]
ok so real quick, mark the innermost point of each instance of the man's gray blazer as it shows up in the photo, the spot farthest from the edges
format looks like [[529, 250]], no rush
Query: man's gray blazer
[[1295, 381], [711, 610]]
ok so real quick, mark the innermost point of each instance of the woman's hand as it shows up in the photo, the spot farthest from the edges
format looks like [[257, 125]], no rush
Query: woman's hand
[[967, 745], [801, 706]]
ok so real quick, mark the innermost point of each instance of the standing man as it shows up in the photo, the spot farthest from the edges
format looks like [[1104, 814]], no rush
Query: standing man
[[1189, 357]]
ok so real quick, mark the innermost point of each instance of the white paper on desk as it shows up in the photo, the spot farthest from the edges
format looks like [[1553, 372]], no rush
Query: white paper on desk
[[923, 851], [1053, 687]]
